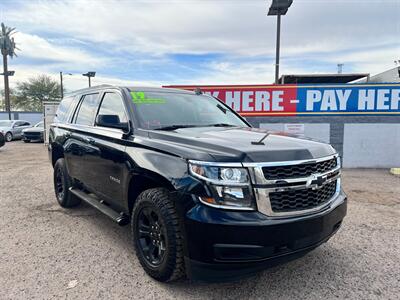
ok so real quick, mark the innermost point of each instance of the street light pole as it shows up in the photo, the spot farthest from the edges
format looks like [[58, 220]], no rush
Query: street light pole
[[278, 8], [62, 83], [278, 45], [89, 75]]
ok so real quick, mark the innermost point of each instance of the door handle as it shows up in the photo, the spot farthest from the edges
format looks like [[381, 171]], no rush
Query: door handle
[[90, 141]]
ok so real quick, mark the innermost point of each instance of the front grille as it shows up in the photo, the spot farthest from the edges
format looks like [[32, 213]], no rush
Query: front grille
[[33, 135], [294, 200], [296, 171]]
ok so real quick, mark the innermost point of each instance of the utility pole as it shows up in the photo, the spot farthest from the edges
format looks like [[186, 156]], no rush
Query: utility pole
[[6, 84], [7, 45], [340, 68], [61, 86]]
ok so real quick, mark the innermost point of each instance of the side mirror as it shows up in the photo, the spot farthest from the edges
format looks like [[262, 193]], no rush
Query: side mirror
[[111, 121]]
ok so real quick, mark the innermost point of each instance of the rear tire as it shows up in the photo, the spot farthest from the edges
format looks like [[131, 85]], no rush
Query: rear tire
[[62, 183], [9, 137], [156, 235]]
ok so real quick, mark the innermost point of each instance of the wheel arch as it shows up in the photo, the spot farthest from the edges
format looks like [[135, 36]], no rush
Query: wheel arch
[[57, 152], [138, 183]]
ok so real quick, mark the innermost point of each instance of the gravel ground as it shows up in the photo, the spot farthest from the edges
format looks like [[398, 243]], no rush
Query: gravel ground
[[49, 252]]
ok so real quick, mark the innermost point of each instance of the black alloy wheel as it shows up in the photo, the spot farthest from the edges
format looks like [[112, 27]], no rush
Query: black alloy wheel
[[59, 184], [157, 236], [152, 236], [62, 183]]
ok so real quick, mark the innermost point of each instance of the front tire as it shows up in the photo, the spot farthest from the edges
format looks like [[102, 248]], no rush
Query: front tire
[[156, 235], [62, 183], [9, 137], [27, 141]]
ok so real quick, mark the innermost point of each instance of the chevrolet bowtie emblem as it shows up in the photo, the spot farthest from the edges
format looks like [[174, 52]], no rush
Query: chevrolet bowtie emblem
[[316, 180]]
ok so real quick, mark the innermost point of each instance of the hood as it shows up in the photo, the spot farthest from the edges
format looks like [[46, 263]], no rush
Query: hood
[[237, 145], [5, 129], [33, 129]]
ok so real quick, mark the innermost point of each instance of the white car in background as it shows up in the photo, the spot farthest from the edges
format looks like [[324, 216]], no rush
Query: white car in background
[[12, 129], [34, 133]]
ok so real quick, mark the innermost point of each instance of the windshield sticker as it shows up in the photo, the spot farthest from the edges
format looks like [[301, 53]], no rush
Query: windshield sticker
[[141, 98]]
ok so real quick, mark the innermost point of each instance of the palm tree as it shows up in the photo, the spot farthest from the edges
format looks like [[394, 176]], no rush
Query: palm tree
[[7, 45]]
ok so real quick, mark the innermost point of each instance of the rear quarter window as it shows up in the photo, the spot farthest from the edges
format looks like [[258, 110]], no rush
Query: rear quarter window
[[63, 109]]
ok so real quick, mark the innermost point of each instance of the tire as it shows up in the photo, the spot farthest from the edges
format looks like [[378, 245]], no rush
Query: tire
[[27, 141], [162, 226], [62, 183], [9, 137]]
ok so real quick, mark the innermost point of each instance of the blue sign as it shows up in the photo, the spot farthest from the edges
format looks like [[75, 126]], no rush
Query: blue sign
[[348, 99]]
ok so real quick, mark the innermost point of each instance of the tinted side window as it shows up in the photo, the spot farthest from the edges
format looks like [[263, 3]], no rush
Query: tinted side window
[[63, 108], [113, 104], [87, 110]]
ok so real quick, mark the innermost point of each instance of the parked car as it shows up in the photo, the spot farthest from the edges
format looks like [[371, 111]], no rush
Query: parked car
[[35, 133], [12, 129], [2, 139], [206, 195]]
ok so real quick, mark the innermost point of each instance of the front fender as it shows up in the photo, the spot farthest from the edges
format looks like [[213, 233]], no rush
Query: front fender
[[157, 165]]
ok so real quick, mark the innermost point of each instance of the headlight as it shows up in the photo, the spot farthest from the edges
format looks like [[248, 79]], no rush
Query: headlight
[[219, 174], [229, 186]]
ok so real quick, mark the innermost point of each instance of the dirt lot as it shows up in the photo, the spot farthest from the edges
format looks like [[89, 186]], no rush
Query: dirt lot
[[49, 252]]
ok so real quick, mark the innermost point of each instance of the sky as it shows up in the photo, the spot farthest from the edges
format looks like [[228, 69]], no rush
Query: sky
[[162, 42]]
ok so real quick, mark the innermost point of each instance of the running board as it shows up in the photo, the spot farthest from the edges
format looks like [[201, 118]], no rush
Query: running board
[[94, 201]]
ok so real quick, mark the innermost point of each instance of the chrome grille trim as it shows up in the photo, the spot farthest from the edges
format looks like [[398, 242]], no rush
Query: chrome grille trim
[[258, 174], [262, 186], [289, 162]]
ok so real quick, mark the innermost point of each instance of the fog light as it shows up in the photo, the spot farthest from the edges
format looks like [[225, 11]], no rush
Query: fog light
[[230, 198]]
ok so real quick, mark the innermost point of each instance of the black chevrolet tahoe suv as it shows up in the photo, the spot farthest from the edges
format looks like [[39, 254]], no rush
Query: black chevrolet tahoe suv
[[206, 195]]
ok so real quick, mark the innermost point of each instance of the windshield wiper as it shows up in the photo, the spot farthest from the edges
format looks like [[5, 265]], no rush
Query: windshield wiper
[[173, 127], [220, 125], [221, 108]]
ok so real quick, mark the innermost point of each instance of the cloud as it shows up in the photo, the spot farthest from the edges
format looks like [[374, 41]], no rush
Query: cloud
[[72, 82], [39, 48], [147, 40], [235, 27]]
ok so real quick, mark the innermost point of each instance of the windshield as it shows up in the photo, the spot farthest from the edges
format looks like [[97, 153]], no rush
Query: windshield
[[40, 124], [5, 123], [166, 110]]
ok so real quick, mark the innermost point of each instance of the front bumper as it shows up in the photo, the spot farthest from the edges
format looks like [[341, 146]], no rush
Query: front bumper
[[35, 136], [224, 245]]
